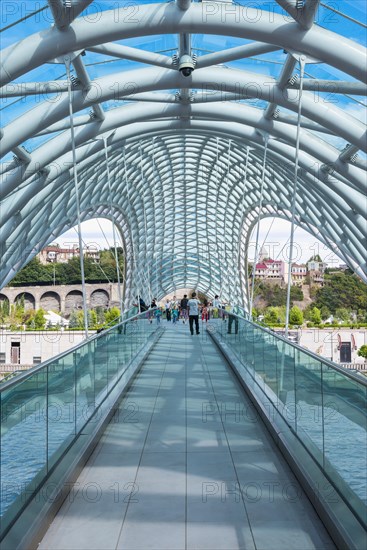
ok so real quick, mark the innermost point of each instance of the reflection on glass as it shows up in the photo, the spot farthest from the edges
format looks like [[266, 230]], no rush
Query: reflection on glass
[[325, 407], [42, 414]]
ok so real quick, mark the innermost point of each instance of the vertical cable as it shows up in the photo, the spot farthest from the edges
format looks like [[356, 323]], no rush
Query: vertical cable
[[241, 218], [155, 193], [132, 236], [77, 201], [113, 225], [226, 252], [296, 165], [266, 140], [148, 272]]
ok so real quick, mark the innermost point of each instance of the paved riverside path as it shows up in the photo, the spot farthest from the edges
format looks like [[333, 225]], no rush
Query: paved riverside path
[[186, 464]]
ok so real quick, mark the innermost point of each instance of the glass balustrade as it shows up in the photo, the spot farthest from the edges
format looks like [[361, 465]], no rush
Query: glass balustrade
[[324, 404], [45, 409]]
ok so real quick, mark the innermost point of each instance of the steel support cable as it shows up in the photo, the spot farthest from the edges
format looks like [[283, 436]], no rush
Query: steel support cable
[[130, 220], [138, 274], [266, 140], [99, 265], [242, 209], [302, 61], [263, 243], [225, 217], [281, 250], [113, 230], [154, 178], [77, 201], [113, 224], [23, 19], [148, 272], [343, 15]]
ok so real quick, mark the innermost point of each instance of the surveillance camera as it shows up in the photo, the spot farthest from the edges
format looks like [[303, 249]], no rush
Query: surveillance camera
[[186, 65]]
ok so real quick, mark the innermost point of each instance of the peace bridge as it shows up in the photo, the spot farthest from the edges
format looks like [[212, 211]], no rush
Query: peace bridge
[[185, 124]]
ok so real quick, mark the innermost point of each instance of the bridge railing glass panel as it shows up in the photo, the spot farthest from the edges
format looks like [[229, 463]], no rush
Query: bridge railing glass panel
[[45, 409], [322, 403]]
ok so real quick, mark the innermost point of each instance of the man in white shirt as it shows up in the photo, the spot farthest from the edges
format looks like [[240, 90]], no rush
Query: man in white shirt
[[232, 318], [167, 307], [193, 307], [217, 306]]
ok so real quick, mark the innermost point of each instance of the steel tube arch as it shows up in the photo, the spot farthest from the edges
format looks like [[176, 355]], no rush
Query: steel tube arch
[[182, 205]]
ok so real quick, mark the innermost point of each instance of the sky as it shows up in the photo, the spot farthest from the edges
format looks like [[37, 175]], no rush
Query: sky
[[274, 236], [277, 237]]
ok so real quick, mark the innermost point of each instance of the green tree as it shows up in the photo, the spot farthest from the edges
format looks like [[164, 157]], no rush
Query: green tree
[[271, 315], [92, 318], [343, 314], [342, 290], [276, 296], [34, 272], [101, 318], [325, 313], [4, 310], [295, 316], [112, 315], [296, 293], [73, 320], [315, 316], [20, 304], [39, 318], [15, 317], [28, 318], [315, 258], [362, 352]]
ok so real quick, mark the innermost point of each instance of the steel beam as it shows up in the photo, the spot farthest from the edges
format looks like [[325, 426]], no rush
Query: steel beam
[[233, 54], [64, 15], [132, 54], [165, 19]]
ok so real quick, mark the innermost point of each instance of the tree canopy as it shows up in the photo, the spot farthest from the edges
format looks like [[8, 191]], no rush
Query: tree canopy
[[342, 290], [69, 273]]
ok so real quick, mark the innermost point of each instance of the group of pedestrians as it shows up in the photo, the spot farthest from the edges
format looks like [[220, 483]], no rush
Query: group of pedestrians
[[189, 310], [175, 309]]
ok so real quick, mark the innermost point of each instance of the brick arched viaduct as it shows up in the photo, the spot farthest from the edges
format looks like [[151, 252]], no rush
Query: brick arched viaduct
[[63, 298]]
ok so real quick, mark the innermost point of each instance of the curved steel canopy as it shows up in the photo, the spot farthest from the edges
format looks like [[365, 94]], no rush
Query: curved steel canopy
[[178, 147]]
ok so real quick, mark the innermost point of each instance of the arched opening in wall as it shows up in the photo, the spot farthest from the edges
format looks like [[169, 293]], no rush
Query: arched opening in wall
[[27, 299], [99, 298], [50, 301], [179, 293], [73, 301], [98, 249], [274, 244]]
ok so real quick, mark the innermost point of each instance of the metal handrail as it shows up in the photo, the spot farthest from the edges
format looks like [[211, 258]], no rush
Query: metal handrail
[[21, 377]]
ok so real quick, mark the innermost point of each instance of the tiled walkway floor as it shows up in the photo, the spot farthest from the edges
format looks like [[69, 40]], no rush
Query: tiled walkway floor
[[186, 464]]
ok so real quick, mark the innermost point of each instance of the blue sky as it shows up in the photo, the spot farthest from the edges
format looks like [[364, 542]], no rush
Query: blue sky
[[11, 11]]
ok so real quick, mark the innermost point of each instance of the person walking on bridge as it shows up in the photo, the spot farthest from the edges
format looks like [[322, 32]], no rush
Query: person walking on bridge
[[193, 307], [183, 308]]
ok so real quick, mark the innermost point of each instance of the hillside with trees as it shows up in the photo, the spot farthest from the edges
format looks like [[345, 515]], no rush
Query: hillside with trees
[[342, 290], [68, 273], [342, 300]]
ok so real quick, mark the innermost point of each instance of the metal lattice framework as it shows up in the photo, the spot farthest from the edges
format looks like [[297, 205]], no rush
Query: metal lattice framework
[[185, 154]]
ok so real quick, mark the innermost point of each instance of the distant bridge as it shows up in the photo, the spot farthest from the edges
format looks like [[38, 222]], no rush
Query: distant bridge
[[63, 298]]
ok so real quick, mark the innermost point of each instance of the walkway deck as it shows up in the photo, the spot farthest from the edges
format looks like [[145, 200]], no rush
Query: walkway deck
[[186, 464]]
